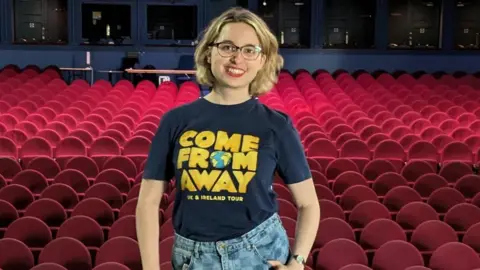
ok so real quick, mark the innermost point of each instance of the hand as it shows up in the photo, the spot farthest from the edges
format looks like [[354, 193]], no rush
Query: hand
[[292, 265]]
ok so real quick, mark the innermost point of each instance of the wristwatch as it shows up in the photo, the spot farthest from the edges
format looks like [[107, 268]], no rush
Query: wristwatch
[[299, 259]]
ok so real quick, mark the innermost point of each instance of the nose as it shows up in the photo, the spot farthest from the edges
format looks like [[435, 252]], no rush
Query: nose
[[236, 57]]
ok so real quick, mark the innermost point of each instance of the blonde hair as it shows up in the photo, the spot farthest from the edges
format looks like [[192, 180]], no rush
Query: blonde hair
[[267, 76]]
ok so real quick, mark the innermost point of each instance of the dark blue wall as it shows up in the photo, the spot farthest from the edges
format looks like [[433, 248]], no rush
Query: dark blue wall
[[73, 55]]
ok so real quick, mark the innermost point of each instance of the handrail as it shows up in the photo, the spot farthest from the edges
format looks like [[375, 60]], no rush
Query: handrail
[[76, 69], [160, 71]]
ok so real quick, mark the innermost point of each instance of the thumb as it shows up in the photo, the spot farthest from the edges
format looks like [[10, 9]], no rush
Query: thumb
[[275, 263]]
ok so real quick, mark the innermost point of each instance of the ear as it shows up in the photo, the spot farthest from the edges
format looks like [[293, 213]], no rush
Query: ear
[[263, 59]]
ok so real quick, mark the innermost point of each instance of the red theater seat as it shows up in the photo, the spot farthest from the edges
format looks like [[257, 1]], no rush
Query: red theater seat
[[331, 229], [339, 253], [454, 256], [84, 229], [15, 255], [67, 252], [386, 256]]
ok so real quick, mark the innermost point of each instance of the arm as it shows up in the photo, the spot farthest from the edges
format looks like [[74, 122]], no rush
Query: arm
[[308, 218], [159, 169], [147, 222], [293, 168]]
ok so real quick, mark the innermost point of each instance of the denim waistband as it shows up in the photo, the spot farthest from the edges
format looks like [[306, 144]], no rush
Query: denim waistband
[[245, 241]]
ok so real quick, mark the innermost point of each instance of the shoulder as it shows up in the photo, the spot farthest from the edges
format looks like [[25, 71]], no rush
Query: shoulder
[[277, 119]]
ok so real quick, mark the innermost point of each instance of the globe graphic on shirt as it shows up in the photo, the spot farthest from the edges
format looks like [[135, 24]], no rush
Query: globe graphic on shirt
[[220, 159]]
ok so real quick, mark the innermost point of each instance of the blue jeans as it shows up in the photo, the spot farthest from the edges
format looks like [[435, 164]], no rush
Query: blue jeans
[[251, 251]]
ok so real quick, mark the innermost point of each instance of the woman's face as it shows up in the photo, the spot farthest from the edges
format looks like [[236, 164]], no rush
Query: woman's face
[[232, 67]]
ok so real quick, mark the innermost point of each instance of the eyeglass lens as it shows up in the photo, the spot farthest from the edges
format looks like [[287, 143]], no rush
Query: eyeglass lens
[[248, 52]]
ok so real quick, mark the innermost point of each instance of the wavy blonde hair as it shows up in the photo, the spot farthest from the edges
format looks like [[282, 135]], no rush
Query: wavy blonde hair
[[267, 76]]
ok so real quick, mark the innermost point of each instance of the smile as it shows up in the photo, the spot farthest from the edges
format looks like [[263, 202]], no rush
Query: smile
[[234, 72]]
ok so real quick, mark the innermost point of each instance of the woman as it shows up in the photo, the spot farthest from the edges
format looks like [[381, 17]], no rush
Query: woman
[[223, 151]]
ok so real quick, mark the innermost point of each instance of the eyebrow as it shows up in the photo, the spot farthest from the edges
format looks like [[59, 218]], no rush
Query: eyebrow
[[229, 41]]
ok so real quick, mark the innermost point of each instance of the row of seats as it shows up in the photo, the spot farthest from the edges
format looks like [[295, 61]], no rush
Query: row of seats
[[103, 148], [348, 188], [415, 221], [124, 251], [444, 202], [132, 163], [378, 174], [50, 168]]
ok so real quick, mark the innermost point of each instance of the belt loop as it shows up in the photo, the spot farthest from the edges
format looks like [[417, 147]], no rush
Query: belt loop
[[247, 242]]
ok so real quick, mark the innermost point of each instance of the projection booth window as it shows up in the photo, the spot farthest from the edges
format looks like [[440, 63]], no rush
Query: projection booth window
[[40, 21], [349, 24], [106, 24], [289, 20], [172, 22], [467, 24], [414, 24]]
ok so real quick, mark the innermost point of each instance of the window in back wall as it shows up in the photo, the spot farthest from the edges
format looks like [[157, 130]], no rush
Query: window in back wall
[[172, 22], [349, 24], [467, 24], [289, 20], [106, 24], [219, 6], [40, 21], [414, 24]]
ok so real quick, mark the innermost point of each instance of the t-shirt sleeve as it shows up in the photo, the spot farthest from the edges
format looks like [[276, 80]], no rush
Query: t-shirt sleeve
[[292, 165], [159, 164]]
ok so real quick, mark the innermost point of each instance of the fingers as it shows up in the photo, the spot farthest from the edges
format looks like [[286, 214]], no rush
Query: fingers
[[276, 265]]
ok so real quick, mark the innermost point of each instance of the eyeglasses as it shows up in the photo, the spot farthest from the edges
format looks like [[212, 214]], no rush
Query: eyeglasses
[[249, 52]]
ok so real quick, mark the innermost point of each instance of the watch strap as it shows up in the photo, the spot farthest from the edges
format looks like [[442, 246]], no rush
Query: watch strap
[[300, 259]]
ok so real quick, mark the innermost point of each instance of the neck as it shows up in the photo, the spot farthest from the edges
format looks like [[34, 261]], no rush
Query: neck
[[225, 96]]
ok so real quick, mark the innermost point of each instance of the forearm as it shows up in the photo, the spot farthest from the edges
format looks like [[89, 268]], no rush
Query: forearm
[[307, 226], [148, 234]]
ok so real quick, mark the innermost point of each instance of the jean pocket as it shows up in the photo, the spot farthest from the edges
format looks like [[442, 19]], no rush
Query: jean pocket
[[274, 247], [182, 259]]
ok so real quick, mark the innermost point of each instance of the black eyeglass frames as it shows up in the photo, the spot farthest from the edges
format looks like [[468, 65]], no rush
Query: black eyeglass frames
[[227, 49]]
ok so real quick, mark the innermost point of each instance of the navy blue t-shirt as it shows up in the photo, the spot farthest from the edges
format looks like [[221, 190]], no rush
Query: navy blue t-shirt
[[223, 158]]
